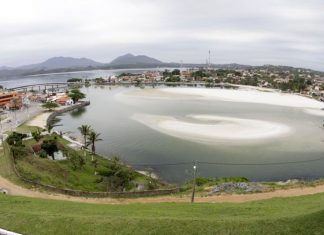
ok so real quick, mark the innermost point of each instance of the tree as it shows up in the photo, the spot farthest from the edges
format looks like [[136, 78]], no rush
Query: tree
[[99, 80], [17, 147], [93, 137], [176, 72], [75, 80], [76, 95], [85, 131], [50, 105], [50, 147], [49, 127], [37, 135]]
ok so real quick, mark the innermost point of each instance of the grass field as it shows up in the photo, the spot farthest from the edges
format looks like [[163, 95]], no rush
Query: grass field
[[299, 215]]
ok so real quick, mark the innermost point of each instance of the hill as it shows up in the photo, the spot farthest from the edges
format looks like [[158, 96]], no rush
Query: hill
[[62, 62], [130, 59]]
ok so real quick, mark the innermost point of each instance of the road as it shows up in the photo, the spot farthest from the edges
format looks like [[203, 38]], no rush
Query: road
[[15, 118]]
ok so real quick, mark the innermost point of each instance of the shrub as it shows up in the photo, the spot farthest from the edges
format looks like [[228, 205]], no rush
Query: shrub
[[37, 135], [42, 154], [36, 148], [76, 160], [15, 138], [117, 176], [18, 152]]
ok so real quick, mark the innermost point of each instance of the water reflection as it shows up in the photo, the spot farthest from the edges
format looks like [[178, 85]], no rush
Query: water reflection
[[77, 113]]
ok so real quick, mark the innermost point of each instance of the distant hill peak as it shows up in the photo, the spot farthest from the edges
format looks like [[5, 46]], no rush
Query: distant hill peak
[[130, 59], [63, 62]]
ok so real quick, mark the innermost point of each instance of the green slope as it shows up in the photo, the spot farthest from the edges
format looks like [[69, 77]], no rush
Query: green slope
[[299, 215]]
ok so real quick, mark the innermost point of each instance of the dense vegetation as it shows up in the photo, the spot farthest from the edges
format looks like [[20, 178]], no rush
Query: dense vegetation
[[75, 80], [299, 215], [79, 169]]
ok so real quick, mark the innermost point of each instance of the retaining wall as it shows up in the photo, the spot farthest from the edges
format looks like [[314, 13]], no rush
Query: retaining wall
[[67, 109]]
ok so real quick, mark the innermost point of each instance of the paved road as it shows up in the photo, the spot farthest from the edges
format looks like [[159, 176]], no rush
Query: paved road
[[15, 118]]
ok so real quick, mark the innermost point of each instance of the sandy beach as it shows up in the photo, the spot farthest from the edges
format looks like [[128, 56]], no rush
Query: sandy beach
[[212, 129], [315, 112], [249, 96], [40, 120]]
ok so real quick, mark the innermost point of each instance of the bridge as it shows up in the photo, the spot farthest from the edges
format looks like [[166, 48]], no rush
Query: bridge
[[53, 86]]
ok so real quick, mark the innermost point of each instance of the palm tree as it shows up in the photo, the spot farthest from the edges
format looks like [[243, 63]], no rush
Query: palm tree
[[49, 127], [85, 131], [93, 137]]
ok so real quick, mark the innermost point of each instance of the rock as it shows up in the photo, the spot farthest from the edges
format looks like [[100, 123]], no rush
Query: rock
[[230, 187], [3, 191], [282, 183]]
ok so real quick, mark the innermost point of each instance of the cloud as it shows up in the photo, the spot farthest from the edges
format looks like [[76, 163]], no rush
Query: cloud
[[242, 31]]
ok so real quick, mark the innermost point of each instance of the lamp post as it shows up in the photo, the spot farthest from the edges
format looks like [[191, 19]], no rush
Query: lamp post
[[194, 182]]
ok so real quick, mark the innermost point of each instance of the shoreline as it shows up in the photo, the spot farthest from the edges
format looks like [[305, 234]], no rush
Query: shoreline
[[254, 96]]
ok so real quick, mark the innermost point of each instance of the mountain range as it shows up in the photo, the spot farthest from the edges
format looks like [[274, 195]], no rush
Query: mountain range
[[67, 64], [75, 63], [127, 61]]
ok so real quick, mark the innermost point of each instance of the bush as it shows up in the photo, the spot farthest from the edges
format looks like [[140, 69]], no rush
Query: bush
[[117, 176], [42, 154], [76, 160], [18, 152], [15, 138], [37, 135]]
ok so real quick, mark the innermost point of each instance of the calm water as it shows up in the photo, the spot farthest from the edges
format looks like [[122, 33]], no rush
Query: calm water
[[138, 144], [63, 77]]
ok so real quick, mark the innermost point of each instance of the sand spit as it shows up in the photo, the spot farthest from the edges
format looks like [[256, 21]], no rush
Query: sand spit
[[315, 112], [212, 129], [249, 96]]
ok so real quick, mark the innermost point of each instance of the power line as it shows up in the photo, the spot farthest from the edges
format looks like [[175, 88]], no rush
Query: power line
[[230, 164], [262, 164], [162, 164]]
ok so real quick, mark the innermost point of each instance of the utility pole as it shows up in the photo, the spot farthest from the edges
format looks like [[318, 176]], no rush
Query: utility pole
[[209, 59], [194, 182]]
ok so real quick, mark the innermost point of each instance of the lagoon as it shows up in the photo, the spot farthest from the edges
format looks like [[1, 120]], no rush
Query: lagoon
[[129, 120]]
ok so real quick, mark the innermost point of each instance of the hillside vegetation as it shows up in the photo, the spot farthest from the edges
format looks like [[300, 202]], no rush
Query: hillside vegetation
[[78, 170]]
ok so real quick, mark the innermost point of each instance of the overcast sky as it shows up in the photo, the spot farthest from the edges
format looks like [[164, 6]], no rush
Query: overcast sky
[[289, 32]]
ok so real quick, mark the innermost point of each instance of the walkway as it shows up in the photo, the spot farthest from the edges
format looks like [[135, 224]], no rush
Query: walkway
[[235, 198]]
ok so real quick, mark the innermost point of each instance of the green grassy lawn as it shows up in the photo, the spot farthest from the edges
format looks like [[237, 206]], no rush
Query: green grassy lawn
[[24, 128], [299, 215]]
